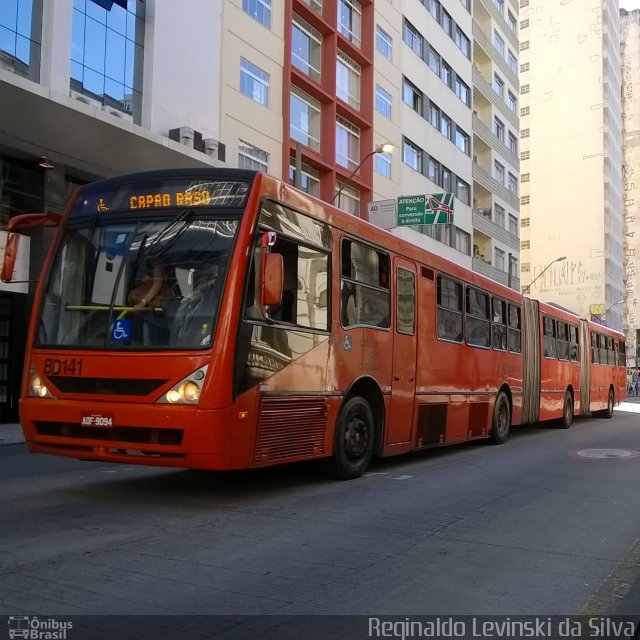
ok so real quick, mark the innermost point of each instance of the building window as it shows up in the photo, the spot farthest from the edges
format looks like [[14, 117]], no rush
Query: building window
[[445, 126], [433, 115], [526, 266], [412, 37], [525, 244], [462, 241], [498, 171], [412, 155], [445, 73], [512, 184], [524, 111], [347, 144], [462, 141], [499, 4], [250, 157], [513, 225], [463, 42], [462, 91], [433, 171], [383, 164], [512, 101], [383, 102], [254, 82], [524, 3], [498, 43], [349, 198], [498, 85], [498, 129], [524, 177], [306, 46], [259, 10], [524, 67], [525, 200], [350, 20], [499, 259], [446, 180], [107, 54], [348, 81], [524, 45], [412, 96], [305, 119], [446, 23], [433, 60], [512, 61], [524, 24], [524, 222], [309, 178], [512, 22], [384, 43], [524, 155], [316, 5], [513, 143], [498, 216], [524, 133], [463, 191], [20, 38]]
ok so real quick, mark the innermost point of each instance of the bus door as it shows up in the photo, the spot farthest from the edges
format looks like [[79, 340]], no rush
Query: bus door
[[403, 374]]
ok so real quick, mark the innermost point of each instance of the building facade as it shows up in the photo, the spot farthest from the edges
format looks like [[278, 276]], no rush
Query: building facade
[[303, 89], [630, 65], [571, 156]]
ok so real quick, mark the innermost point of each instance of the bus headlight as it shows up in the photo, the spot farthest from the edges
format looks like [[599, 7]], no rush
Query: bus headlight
[[188, 390], [37, 386]]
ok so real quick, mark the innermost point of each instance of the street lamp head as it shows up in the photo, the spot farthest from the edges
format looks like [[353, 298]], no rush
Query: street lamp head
[[385, 147], [561, 258]]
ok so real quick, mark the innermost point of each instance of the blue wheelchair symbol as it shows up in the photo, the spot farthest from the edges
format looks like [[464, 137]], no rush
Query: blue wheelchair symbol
[[121, 330]]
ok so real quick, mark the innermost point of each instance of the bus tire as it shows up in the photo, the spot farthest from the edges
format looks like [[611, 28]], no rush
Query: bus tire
[[501, 419], [353, 441], [567, 411], [608, 412]]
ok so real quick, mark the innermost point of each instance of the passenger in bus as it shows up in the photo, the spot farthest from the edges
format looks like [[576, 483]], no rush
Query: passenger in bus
[[148, 299]]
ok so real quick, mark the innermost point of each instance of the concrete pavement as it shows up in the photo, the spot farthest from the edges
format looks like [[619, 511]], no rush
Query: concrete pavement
[[11, 434]]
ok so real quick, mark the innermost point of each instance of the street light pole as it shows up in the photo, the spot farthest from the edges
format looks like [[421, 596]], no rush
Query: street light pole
[[381, 148], [527, 289]]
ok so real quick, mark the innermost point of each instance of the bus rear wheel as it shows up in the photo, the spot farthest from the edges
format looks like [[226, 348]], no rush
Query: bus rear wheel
[[353, 441], [608, 412], [567, 411], [501, 419]]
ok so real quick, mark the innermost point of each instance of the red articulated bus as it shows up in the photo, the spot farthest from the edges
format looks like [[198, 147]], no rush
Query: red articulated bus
[[221, 319]]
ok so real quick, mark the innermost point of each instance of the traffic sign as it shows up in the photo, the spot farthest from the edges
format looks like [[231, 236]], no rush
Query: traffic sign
[[436, 208], [382, 213]]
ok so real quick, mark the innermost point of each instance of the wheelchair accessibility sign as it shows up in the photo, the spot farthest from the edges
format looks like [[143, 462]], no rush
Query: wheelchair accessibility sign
[[121, 330]]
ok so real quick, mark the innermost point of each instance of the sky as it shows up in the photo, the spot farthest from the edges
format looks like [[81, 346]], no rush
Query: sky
[[629, 4]]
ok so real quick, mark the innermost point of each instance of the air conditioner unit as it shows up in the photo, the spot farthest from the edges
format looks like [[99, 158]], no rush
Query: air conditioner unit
[[117, 113], [90, 102], [183, 135]]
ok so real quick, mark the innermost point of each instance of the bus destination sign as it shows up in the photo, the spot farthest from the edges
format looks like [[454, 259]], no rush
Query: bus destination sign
[[165, 194]]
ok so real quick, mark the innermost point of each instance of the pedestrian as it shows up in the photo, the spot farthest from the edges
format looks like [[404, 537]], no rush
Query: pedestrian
[[637, 384], [634, 382]]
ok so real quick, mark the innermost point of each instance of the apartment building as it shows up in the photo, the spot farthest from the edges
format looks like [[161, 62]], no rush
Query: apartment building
[[630, 69], [305, 89], [571, 156]]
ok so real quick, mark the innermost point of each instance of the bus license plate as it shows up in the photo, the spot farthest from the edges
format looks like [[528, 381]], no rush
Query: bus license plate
[[97, 420]]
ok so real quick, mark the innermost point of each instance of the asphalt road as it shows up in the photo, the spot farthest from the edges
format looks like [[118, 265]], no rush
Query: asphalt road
[[530, 527]]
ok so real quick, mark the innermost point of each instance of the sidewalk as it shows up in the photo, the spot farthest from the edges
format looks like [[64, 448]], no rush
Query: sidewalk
[[10, 434]]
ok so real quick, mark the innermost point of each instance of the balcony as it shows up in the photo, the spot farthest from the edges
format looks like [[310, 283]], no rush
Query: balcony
[[490, 138], [493, 186], [483, 222], [492, 10], [494, 55], [487, 91], [489, 271]]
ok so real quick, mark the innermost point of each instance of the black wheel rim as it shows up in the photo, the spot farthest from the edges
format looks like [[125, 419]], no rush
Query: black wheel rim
[[357, 436], [502, 419]]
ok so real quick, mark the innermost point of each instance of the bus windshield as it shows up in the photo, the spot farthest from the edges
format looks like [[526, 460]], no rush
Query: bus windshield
[[143, 284]]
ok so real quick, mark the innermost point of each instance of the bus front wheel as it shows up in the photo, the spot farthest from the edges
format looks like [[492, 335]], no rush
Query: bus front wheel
[[353, 441], [501, 419]]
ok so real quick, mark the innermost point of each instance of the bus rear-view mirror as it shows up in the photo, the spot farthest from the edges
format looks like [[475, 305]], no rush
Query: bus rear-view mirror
[[271, 278], [10, 255]]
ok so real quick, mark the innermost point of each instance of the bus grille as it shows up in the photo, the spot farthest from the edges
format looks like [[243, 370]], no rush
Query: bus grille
[[290, 429], [144, 435], [106, 386]]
